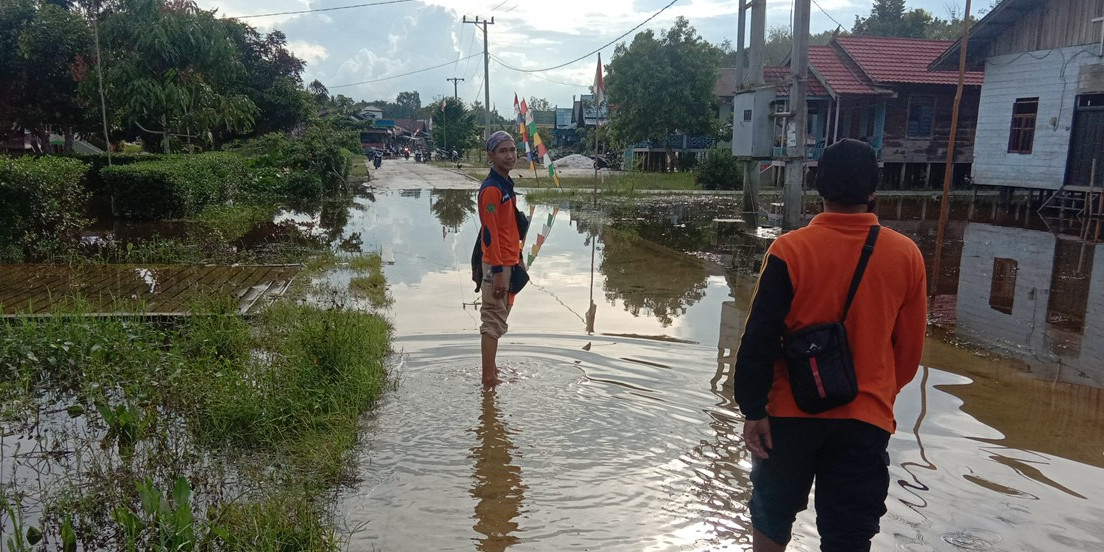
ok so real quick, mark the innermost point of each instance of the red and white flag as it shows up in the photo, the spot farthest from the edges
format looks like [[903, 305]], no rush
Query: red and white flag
[[599, 86]]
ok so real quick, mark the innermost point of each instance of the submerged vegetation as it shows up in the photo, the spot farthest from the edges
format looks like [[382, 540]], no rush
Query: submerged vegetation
[[213, 433]]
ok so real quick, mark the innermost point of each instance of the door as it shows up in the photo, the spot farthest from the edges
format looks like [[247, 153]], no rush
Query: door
[[1087, 142]]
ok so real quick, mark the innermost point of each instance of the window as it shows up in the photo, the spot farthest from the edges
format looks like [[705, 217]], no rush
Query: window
[[1002, 293], [921, 109], [1022, 135]]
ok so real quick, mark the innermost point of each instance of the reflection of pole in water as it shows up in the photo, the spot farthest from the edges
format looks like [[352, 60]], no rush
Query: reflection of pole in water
[[915, 486], [497, 482], [592, 309]]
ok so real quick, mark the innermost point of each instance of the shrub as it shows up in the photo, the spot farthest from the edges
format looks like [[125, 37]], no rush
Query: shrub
[[42, 203], [98, 161], [309, 166], [720, 171], [176, 185]]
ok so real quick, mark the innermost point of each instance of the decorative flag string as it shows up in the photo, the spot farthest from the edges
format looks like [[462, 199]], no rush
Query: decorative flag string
[[532, 139], [545, 230]]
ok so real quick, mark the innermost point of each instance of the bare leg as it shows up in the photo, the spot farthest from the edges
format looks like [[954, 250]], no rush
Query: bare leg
[[489, 348], [763, 543]]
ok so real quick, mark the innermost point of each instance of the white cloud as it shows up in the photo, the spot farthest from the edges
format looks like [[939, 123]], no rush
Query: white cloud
[[377, 42], [308, 52]]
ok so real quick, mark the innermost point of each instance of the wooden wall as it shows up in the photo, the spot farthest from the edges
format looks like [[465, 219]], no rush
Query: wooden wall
[[897, 147], [1053, 78], [1055, 24]]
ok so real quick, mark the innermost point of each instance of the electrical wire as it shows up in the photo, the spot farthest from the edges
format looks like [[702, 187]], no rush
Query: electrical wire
[[498, 61], [405, 74], [595, 51], [822, 10], [325, 9]]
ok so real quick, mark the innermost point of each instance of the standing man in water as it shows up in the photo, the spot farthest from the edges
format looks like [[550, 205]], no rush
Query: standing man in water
[[805, 280], [500, 242]]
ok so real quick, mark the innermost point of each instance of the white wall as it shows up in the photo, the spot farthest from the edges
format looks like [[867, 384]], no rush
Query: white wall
[[1024, 330], [1050, 75]]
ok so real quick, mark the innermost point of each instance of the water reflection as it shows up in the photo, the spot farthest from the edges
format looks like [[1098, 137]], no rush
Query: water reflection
[[452, 207], [496, 481]]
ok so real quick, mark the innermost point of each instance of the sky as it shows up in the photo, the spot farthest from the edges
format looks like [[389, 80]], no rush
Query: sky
[[375, 52]]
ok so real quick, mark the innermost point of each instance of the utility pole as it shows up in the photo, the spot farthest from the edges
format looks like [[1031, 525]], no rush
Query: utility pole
[[486, 73], [795, 153], [454, 80]]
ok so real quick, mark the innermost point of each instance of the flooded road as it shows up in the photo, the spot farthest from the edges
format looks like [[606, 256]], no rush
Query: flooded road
[[616, 430]]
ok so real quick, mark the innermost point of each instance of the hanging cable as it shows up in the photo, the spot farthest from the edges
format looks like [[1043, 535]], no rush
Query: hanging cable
[[405, 74], [822, 10], [500, 62], [599, 49], [325, 9]]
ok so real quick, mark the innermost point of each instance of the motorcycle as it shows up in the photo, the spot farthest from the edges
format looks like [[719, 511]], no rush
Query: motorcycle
[[377, 161]]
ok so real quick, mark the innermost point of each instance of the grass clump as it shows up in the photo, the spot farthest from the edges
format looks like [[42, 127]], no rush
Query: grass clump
[[234, 221], [239, 428], [373, 286], [366, 262]]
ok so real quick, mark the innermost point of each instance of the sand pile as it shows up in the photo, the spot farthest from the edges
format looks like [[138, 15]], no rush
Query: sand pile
[[574, 161]]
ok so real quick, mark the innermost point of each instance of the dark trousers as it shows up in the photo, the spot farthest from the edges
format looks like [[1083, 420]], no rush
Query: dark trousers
[[848, 461]]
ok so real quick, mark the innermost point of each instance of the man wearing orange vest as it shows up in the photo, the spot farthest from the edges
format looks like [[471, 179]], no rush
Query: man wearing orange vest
[[805, 283], [501, 245]]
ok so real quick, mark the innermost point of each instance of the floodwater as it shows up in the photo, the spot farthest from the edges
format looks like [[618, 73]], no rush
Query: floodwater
[[616, 429]]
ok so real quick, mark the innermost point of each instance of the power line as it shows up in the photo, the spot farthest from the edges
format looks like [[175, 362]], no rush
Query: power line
[[404, 74], [325, 9], [604, 46], [498, 61], [822, 10]]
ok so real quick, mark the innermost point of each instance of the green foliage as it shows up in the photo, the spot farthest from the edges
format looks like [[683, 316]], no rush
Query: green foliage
[[270, 78], [41, 205], [662, 84], [176, 186], [171, 74], [455, 128], [163, 523], [231, 222], [311, 166], [324, 368], [720, 171], [97, 162], [45, 56], [890, 18]]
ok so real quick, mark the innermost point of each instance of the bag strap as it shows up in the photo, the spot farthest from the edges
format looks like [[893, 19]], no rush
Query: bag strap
[[867, 250]]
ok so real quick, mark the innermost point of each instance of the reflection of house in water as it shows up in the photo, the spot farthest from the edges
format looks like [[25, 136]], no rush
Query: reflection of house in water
[[1035, 294]]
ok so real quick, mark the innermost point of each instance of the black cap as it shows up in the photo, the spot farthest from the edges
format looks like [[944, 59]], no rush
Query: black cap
[[847, 172]]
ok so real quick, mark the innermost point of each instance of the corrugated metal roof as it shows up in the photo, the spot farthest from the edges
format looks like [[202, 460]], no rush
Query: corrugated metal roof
[[902, 60]]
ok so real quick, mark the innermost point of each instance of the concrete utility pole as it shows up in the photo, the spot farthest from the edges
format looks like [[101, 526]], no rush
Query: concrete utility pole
[[795, 153], [486, 73], [454, 81], [752, 78]]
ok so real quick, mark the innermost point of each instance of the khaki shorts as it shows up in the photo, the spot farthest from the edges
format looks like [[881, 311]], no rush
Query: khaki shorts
[[494, 311]]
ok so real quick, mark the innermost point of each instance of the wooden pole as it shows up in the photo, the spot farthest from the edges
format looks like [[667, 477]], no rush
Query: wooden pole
[[1088, 217], [948, 172]]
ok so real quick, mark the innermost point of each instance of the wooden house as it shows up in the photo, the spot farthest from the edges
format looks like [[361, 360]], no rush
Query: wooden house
[[882, 91], [1041, 114]]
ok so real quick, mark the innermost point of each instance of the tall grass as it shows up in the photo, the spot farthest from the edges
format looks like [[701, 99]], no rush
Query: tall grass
[[283, 391]]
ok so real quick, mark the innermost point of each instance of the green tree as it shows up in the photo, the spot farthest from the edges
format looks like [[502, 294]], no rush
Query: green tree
[[454, 127], [407, 105], [664, 84], [889, 18], [319, 91], [46, 51], [170, 70], [539, 104], [271, 78]]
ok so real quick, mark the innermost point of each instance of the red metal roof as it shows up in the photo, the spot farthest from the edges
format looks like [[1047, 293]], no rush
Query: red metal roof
[[826, 61], [779, 75], [901, 60]]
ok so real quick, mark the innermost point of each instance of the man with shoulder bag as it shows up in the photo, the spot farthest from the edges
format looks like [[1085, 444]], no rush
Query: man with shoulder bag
[[497, 267], [835, 331]]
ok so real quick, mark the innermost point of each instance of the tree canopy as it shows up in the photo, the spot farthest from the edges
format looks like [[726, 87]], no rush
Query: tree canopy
[[658, 85], [454, 127]]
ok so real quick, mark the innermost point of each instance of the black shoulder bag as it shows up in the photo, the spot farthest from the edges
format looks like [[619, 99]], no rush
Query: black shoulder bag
[[518, 276], [818, 357]]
